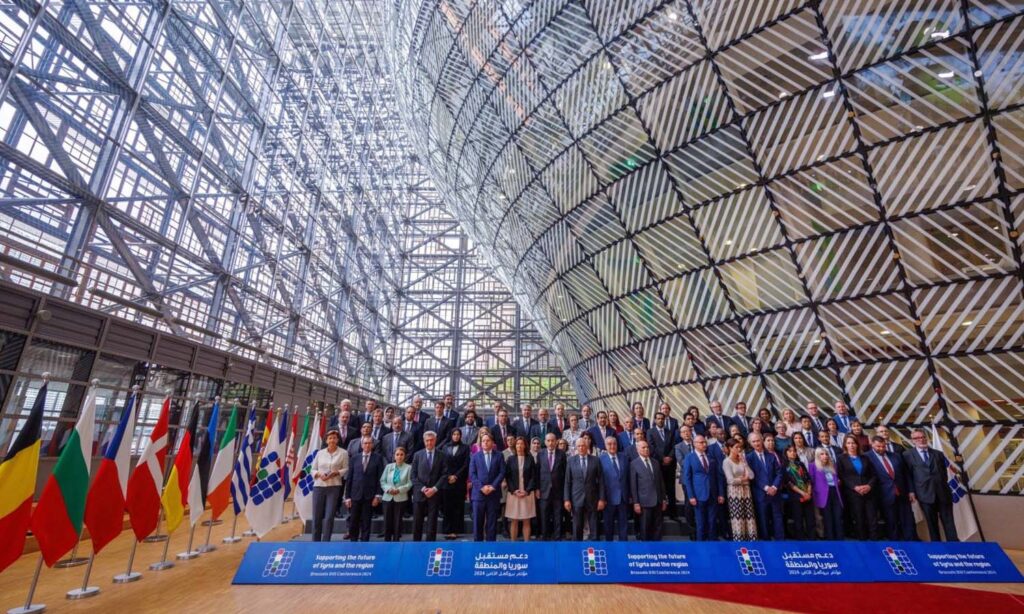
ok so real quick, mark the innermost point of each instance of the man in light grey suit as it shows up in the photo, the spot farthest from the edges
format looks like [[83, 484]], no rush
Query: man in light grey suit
[[648, 493], [929, 486], [397, 438], [584, 490]]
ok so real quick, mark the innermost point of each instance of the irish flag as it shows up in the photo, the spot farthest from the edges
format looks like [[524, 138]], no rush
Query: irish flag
[[18, 483], [57, 520], [220, 476], [143, 502], [104, 510]]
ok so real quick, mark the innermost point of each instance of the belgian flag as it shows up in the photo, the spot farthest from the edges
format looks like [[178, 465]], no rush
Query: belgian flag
[[18, 483]]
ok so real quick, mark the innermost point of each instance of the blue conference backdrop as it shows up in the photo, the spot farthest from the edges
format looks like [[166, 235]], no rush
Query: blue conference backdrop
[[614, 562]]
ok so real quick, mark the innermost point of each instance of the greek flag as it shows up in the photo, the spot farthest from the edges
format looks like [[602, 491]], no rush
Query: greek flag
[[241, 473]]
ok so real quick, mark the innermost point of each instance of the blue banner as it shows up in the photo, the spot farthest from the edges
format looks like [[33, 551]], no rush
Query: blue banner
[[615, 562]]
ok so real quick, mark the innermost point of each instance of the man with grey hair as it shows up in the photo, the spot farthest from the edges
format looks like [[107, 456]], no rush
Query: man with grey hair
[[928, 483], [362, 488], [427, 478]]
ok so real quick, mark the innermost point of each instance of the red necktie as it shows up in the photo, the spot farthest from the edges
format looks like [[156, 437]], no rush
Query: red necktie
[[892, 474]]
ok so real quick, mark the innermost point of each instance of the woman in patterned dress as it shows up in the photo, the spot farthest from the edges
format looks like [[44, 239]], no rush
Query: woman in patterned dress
[[741, 507]]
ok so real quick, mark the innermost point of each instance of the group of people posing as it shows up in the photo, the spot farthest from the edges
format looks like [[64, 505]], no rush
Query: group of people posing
[[732, 476]]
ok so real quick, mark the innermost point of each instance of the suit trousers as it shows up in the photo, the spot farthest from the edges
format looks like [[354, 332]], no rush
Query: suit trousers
[[668, 477], [550, 512], [650, 524], [863, 515], [933, 513], [325, 501], [705, 513], [453, 506], [359, 521], [769, 518], [802, 515], [615, 518], [581, 514], [426, 509], [485, 519], [832, 518], [393, 520]]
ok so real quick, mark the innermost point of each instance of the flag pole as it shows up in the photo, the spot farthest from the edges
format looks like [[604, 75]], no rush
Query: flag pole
[[129, 575], [29, 607], [86, 590], [163, 563], [157, 536], [232, 539], [249, 532], [189, 553], [208, 547]]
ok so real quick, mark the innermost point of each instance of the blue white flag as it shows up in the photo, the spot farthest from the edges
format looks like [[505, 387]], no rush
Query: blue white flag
[[266, 497]]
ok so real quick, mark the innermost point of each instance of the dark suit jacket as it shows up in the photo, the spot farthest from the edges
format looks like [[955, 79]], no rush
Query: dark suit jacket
[[346, 435], [929, 483], [849, 477], [645, 423], [363, 485], [442, 428], [595, 433], [646, 488], [480, 475], [426, 475], [743, 422], [388, 445], [661, 444], [616, 486], [887, 486], [625, 443], [500, 443], [767, 474], [522, 429], [541, 431], [456, 464], [551, 482], [529, 473], [584, 490], [722, 421]]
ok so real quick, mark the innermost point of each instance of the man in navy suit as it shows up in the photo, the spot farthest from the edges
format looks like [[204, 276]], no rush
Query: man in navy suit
[[543, 427], [627, 438], [892, 491], [441, 426], [584, 490], [415, 430], [615, 468], [928, 483], [502, 431], [427, 477], [486, 472], [525, 423], [638, 416], [718, 418], [550, 495], [670, 423], [362, 489], [766, 489], [394, 439], [346, 430], [647, 491], [662, 442], [600, 431], [705, 487], [844, 419], [366, 415], [740, 419], [450, 412]]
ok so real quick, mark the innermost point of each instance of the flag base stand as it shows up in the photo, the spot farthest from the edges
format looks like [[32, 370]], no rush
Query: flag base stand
[[31, 609], [213, 523], [73, 561], [249, 533], [125, 578], [83, 593], [161, 565], [231, 539], [152, 539], [188, 556], [206, 548]]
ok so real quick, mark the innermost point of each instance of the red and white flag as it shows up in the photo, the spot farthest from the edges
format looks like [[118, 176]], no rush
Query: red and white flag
[[146, 481]]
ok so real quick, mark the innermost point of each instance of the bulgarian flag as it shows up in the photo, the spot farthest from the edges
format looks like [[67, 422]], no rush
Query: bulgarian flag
[[219, 494], [176, 490], [104, 511], [18, 483], [143, 502], [57, 521]]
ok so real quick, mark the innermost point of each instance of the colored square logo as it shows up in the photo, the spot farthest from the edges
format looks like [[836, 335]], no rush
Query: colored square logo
[[750, 562], [899, 561], [279, 563], [439, 563], [595, 562]]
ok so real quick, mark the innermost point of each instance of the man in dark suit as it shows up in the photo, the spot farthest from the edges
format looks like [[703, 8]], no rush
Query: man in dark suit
[[394, 439], [470, 427], [524, 423], [470, 407], [421, 414], [890, 446], [817, 419], [766, 489], [355, 445], [928, 483], [362, 489], [491, 420], [441, 426], [427, 478], [366, 415], [844, 417], [627, 438], [486, 472], [377, 426], [892, 491], [615, 469], [600, 431], [638, 436], [696, 426], [414, 429], [560, 419], [670, 423], [551, 465], [705, 487], [638, 417], [450, 412], [833, 451], [740, 418], [346, 430], [647, 491], [718, 418], [681, 450], [502, 431], [584, 490], [662, 442], [543, 427]]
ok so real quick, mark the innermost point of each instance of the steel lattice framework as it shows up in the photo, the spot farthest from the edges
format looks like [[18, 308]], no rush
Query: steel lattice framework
[[234, 172], [769, 202]]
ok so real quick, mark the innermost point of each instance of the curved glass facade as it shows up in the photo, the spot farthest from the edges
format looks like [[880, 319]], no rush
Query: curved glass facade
[[769, 202]]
